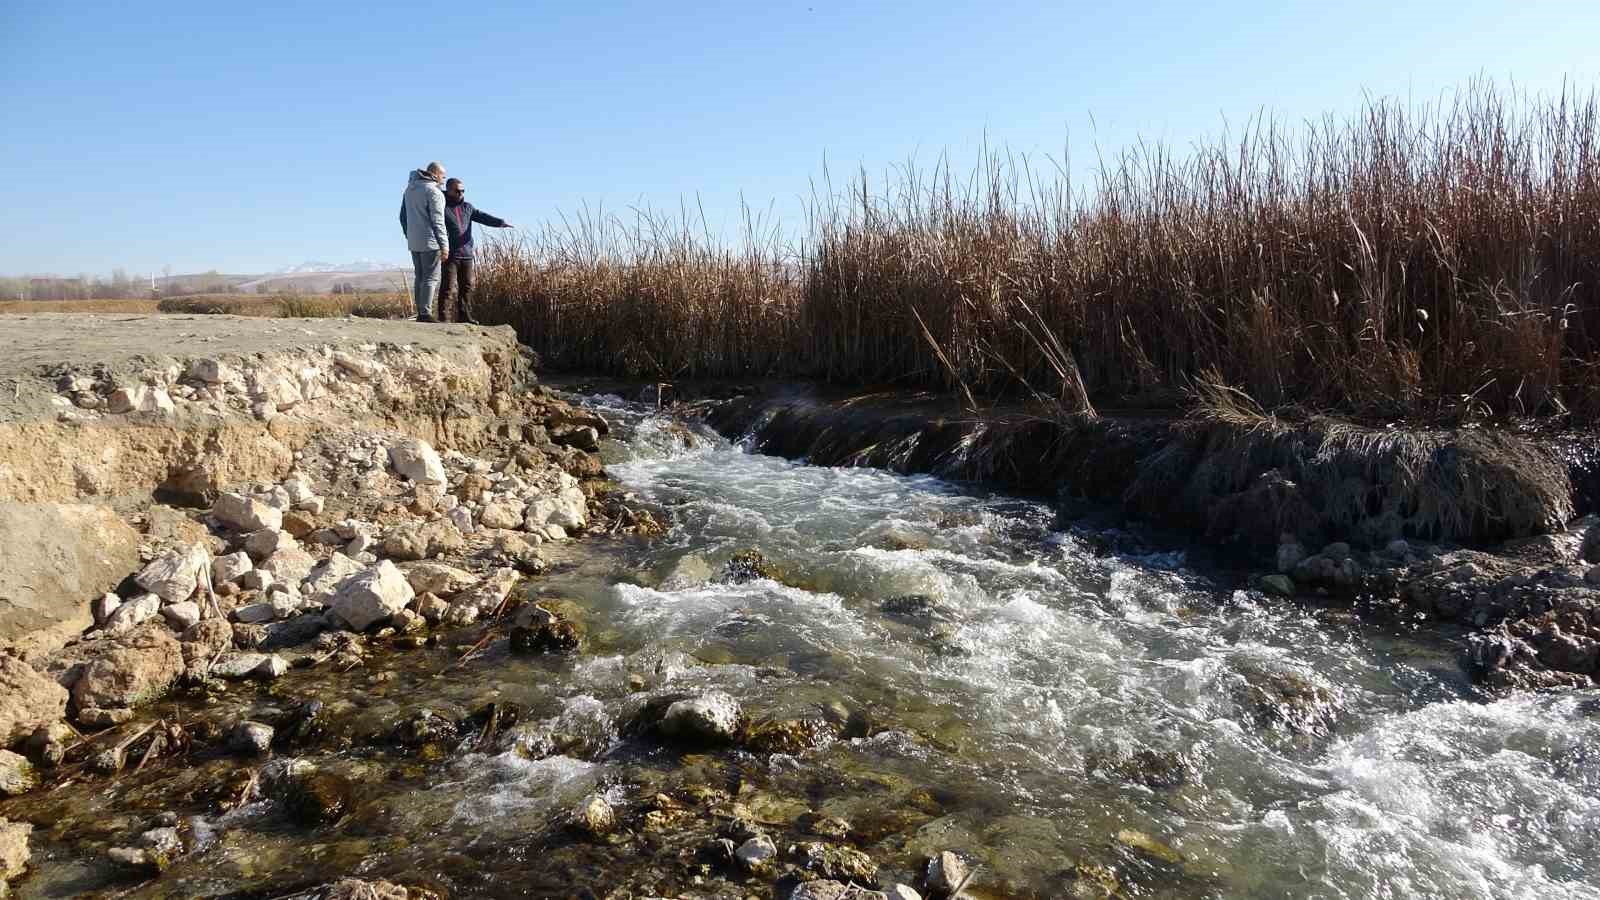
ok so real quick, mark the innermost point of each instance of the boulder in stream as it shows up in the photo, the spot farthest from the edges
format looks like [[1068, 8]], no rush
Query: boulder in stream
[[710, 718], [28, 700]]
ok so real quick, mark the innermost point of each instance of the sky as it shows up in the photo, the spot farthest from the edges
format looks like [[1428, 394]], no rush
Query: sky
[[249, 137]]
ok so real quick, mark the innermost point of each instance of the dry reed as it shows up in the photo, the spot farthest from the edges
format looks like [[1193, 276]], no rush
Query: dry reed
[[1435, 263]]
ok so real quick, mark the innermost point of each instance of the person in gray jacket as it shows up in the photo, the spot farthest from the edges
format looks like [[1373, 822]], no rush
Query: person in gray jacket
[[422, 222]]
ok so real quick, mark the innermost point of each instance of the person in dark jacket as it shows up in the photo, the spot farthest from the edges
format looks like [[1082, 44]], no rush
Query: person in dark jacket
[[458, 218]]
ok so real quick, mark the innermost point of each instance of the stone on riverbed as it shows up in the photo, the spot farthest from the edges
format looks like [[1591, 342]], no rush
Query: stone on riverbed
[[133, 613], [819, 890], [414, 541], [250, 738], [711, 718], [945, 873], [290, 565], [174, 575], [17, 774], [318, 798], [757, 855], [265, 666], [538, 630], [594, 816], [439, 579], [128, 669], [372, 596], [14, 853], [28, 700], [324, 580]]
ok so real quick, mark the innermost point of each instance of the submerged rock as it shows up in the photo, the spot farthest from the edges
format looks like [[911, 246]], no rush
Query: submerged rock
[[318, 798], [819, 890], [594, 816], [833, 861], [1148, 846], [748, 565], [790, 736], [251, 738]]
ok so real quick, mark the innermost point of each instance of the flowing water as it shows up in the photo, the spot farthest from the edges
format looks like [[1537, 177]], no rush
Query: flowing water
[[1066, 717]]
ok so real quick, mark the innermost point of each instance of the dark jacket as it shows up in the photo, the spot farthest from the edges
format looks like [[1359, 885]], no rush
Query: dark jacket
[[458, 221]]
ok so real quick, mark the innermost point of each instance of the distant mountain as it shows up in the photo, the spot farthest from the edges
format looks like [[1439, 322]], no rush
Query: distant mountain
[[360, 265]]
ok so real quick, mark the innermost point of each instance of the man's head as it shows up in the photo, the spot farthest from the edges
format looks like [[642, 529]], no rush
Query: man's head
[[436, 169], [454, 191]]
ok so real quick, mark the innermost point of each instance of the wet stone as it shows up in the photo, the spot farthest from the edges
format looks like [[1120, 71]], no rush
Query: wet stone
[[537, 630], [594, 816], [711, 718], [944, 874], [251, 738], [837, 862], [757, 855], [17, 774], [318, 798]]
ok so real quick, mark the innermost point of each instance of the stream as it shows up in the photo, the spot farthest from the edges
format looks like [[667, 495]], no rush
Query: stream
[[1070, 718]]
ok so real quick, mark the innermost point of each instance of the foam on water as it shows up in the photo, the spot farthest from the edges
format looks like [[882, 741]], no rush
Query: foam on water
[[1056, 673]]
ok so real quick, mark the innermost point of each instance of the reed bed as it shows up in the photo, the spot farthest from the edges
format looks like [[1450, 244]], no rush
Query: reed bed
[[1437, 262]]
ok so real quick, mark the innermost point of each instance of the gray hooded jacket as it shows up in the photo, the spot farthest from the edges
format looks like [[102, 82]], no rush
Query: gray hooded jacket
[[422, 214]]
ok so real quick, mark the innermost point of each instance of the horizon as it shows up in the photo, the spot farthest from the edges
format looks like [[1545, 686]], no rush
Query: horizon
[[207, 154]]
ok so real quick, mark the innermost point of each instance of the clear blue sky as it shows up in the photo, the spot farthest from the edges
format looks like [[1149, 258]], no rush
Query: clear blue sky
[[246, 138]]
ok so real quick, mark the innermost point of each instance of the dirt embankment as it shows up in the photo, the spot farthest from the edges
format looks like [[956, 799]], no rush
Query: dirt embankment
[[1484, 528]]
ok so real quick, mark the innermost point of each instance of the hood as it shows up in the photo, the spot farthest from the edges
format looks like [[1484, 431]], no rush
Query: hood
[[420, 175]]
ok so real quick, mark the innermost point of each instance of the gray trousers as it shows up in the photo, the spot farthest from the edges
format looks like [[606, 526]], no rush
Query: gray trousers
[[426, 286]]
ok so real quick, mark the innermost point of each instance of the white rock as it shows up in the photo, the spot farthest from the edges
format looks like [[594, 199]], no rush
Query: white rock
[[712, 717], [262, 544], [230, 567], [417, 461], [134, 612], [461, 517], [439, 579], [298, 487], [274, 389], [361, 543], [255, 613], [324, 580], [174, 575], [553, 532], [502, 514], [275, 497], [246, 514], [448, 502], [256, 580], [313, 505], [181, 615], [360, 367], [104, 606], [372, 596], [290, 565], [210, 371], [487, 595], [757, 853], [140, 399], [567, 509], [903, 892]]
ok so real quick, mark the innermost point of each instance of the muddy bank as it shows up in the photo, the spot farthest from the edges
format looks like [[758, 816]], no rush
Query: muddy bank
[[1475, 526]]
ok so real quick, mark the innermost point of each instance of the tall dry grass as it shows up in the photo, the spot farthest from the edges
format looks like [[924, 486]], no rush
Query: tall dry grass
[[1434, 262]]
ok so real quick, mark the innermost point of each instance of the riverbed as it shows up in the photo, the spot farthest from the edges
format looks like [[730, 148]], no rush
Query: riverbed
[[1071, 713]]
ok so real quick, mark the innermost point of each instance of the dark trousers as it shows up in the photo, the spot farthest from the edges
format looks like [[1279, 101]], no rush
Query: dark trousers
[[456, 285]]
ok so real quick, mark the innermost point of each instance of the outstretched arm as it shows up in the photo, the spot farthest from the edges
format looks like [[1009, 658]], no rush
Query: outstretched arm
[[483, 218]]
